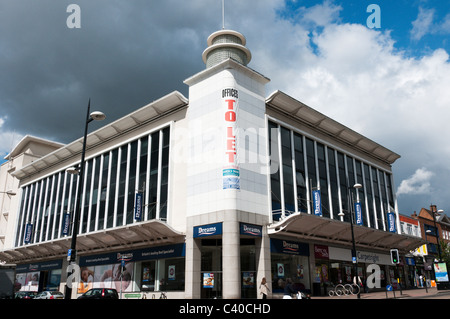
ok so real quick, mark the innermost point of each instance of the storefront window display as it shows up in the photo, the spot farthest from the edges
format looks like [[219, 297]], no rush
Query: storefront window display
[[139, 270], [39, 276], [289, 260]]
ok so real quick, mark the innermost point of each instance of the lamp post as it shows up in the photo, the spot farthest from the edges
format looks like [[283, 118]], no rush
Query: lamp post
[[94, 116], [354, 259]]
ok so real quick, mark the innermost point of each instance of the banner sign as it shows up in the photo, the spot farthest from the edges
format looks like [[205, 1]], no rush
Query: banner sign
[[251, 230], [391, 222], [317, 202], [152, 253], [289, 247], [66, 224], [208, 230], [138, 207], [28, 233], [47, 265], [230, 172], [359, 214]]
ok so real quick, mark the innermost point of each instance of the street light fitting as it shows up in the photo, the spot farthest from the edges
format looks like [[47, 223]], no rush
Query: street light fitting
[[10, 193], [357, 186], [73, 170], [97, 116]]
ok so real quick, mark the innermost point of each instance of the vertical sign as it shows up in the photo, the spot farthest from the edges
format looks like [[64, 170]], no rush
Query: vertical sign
[[28, 232], [391, 222], [230, 172], [317, 202], [138, 207], [66, 224], [358, 213]]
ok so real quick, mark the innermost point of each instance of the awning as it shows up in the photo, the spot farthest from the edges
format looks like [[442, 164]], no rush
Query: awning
[[315, 228], [137, 235]]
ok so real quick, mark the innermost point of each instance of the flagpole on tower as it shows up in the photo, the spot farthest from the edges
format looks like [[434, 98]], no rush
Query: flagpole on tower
[[223, 14]]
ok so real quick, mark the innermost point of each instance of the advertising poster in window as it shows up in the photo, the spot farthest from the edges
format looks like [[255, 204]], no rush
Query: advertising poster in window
[[280, 270], [208, 280], [106, 276], [248, 279], [171, 274], [440, 269]]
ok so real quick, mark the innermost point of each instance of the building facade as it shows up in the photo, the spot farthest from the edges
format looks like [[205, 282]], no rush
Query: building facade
[[202, 197]]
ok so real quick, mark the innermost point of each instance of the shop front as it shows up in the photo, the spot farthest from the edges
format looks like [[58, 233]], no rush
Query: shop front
[[149, 270], [39, 276], [289, 261], [333, 266], [209, 239]]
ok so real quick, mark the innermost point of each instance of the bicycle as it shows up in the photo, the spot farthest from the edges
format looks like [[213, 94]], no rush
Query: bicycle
[[162, 296]]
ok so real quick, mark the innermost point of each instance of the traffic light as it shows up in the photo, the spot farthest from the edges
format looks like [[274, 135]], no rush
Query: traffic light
[[394, 256]]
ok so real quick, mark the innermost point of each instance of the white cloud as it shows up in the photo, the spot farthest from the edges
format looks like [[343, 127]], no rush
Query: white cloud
[[418, 183], [423, 24], [358, 77]]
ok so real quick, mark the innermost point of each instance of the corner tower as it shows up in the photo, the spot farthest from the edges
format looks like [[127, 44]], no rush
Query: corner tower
[[226, 168]]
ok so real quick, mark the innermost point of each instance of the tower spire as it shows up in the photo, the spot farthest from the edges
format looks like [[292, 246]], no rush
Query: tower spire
[[223, 14]]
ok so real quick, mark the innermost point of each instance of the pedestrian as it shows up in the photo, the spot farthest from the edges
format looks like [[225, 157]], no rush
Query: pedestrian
[[288, 289], [264, 288]]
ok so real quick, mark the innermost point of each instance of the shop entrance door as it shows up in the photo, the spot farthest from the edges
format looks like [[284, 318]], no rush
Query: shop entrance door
[[211, 269]]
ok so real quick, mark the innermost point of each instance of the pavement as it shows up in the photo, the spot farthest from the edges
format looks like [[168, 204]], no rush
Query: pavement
[[417, 293]]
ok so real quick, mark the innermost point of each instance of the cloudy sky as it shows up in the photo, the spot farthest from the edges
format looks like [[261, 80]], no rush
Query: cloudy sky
[[380, 67]]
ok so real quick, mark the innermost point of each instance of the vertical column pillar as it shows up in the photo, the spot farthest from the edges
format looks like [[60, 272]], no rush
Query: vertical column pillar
[[263, 262], [193, 265], [231, 261]]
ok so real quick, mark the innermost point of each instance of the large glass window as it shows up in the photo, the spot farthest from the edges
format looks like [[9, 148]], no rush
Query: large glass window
[[111, 181], [300, 176], [288, 180], [333, 183], [275, 171], [323, 180]]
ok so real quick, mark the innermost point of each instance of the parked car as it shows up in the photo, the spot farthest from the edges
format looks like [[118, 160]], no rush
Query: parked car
[[100, 293], [50, 295], [25, 295]]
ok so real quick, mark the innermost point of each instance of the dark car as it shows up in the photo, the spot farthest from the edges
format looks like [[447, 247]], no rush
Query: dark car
[[25, 295], [100, 293]]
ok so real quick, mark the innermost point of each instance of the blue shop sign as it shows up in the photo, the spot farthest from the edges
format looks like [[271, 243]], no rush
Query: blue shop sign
[[46, 265], [289, 247], [161, 252], [251, 230], [207, 230]]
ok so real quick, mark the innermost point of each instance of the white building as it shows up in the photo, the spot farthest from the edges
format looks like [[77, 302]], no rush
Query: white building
[[218, 213]]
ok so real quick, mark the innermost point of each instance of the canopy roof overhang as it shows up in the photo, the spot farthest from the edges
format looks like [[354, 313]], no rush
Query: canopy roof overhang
[[315, 228], [144, 234]]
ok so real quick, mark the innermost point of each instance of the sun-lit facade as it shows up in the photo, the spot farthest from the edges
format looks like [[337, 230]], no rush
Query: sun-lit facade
[[202, 197]]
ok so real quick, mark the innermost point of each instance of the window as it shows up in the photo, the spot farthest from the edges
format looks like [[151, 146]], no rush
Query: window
[[323, 180], [274, 170], [300, 176], [288, 180], [108, 192]]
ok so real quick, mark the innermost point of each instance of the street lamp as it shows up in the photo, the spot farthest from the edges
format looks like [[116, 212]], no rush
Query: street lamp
[[9, 193], [354, 260], [94, 116], [440, 211]]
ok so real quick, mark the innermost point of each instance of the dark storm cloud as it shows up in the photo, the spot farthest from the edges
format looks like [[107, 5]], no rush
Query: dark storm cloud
[[125, 55]]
